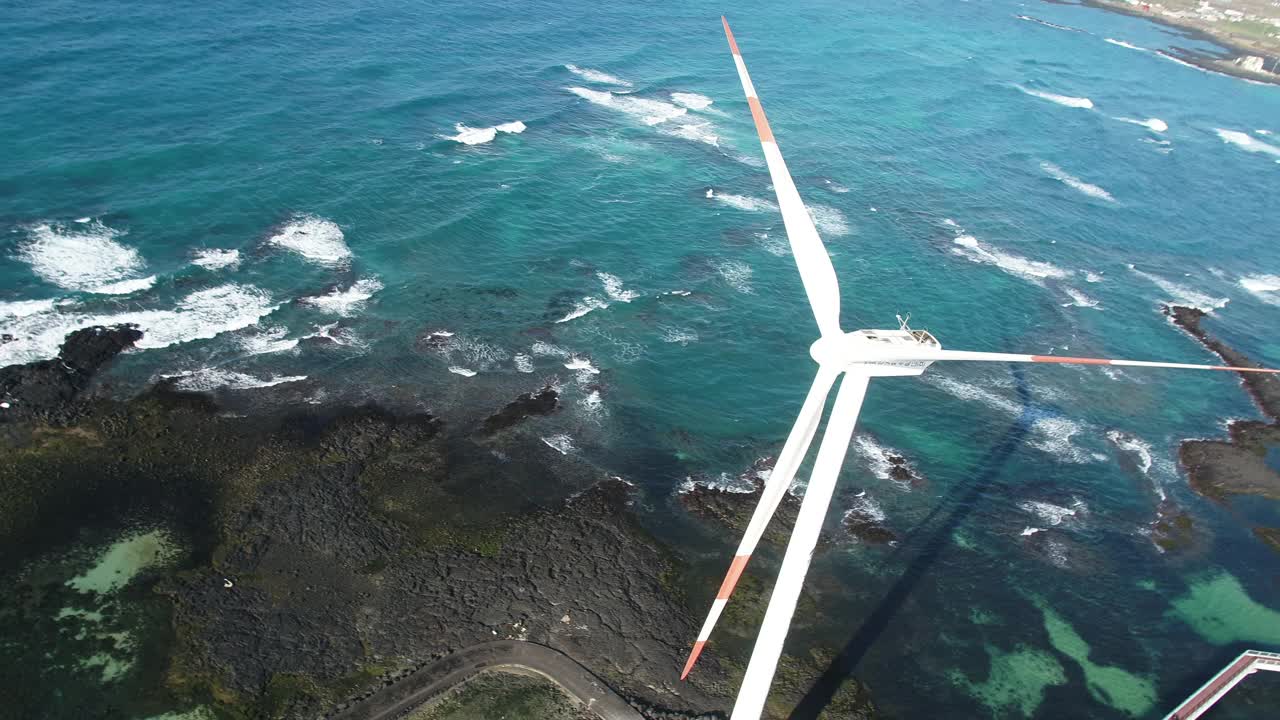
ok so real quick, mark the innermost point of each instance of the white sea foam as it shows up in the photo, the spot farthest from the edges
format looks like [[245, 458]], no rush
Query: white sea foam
[[877, 457], [215, 259], [1050, 433], [1124, 44], [866, 508], [746, 202], [126, 287], [523, 363], [1057, 553], [201, 315], [475, 353], [613, 288], [970, 248], [268, 340], [698, 131], [693, 101], [546, 349], [774, 245], [314, 238], [87, 258], [828, 220], [582, 307], [835, 187], [207, 379], [1075, 183], [1263, 133], [682, 336], [1067, 100], [582, 365], [1029, 531], [24, 308], [1093, 277], [1050, 513], [1079, 299], [345, 302], [561, 443], [1152, 124], [596, 76], [650, 112], [338, 335], [1183, 295], [479, 136], [459, 370], [1245, 141], [1264, 287], [737, 274]]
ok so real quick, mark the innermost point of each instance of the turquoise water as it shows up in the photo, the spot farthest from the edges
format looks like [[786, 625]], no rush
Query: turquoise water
[[315, 140]]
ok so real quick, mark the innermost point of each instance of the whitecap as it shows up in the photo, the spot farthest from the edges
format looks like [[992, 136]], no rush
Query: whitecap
[[737, 274], [84, 258], [207, 379], [1093, 277], [1183, 295], [478, 136], [338, 335], [741, 484], [1245, 141], [596, 76], [969, 248], [836, 187], [546, 349], [746, 202], [1263, 133], [459, 370], [561, 443], [24, 308], [345, 302], [1264, 287], [314, 238], [214, 259], [1152, 124], [693, 101], [650, 112], [613, 288], [1079, 299], [828, 220], [126, 287], [582, 307], [523, 363], [698, 131], [776, 246], [1050, 433], [269, 340], [1050, 513], [1075, 183], [1067, 100], [878, 459], [581, 364], [866, 508], [1124, 44], [1029, 531], [592, 404]]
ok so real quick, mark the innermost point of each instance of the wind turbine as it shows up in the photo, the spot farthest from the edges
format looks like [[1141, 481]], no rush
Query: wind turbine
[[858, 356]]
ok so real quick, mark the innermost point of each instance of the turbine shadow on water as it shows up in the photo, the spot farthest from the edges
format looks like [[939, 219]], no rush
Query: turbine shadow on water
[[963, 500]]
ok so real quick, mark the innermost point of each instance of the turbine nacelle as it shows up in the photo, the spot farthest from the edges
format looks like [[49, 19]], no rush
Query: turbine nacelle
[[877, 353]]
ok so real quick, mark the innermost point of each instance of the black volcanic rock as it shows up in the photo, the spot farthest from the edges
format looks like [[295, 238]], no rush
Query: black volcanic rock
[[543, 402], [47, 389]]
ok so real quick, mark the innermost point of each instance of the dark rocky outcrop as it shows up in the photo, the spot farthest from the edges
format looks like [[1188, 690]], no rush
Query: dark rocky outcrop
[[48, 389], [543, 402], [732, 507]]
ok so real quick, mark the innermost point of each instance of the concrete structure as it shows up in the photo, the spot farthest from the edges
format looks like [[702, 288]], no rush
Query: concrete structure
[[1249, 662]]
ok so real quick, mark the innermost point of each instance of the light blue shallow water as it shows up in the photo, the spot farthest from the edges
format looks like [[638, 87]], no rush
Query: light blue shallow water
[[907, 126]]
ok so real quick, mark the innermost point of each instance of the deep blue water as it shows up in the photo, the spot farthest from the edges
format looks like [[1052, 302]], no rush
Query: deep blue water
[[315, 140]]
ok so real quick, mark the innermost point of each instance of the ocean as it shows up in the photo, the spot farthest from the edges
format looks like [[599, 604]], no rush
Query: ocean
[[299, 194]]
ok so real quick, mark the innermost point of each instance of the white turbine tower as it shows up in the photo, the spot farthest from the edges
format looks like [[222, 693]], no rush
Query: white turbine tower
[[858, 356]]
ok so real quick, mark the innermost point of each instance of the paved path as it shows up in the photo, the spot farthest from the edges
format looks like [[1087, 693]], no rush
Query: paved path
[[428, 682]]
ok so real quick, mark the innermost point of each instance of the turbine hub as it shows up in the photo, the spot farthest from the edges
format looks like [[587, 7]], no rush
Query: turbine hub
[[831, 350]]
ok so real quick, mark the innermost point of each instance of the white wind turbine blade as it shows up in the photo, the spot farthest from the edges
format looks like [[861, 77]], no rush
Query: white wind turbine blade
[[795, 564], [775, 488], [1064, 360], [811, 256]]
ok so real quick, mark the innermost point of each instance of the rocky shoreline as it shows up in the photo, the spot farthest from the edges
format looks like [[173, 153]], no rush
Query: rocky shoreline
[[1219, 469], [331, 552]]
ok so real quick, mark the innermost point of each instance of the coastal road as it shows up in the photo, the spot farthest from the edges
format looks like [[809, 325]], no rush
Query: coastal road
[[429, 682]]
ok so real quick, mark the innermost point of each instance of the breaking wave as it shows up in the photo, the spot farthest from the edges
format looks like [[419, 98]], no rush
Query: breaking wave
[[314, 238], [523, 363], [214, 259], [879, 460], [737, 274], [1264, 287], [1245, 141], [582, 307], [613, 288], [650, 112], [693, 101], [596, 76], [969, 248], [1067, 100], [23, 308], [1152, 124], [1183, 295], [1050, 513], [745, 202], [459, 370], [1050, 433], [828, 220], [479, 136], [269, 340], [582, 365], [345, 302], [561, 443], [866, 508], [202, 315], [1079, 299], [1075, 183], [208, 379], [1124, 44], [86, 258]]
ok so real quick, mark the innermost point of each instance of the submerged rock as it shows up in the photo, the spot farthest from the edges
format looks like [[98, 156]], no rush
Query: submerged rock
[[543, 402]]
